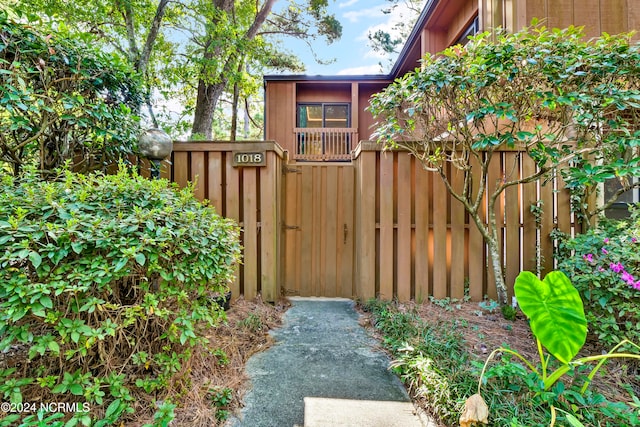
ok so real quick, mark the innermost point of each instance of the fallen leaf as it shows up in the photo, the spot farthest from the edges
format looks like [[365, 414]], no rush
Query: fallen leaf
[[475, 411]]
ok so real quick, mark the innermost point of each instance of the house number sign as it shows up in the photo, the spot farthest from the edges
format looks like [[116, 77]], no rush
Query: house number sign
[[256, 158]]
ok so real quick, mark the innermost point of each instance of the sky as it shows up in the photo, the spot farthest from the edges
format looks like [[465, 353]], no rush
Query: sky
[[352, 53]]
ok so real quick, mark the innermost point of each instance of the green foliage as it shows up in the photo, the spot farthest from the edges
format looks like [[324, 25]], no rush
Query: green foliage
[[104, 287], [62, 100], [557, 320], [604, 265], [252, 323], [553, 301], [508, 312], [221, 397], [431, 358]]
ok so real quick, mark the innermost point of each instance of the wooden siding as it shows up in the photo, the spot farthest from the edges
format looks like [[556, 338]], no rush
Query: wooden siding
[[597, 16], [250, 195], [414, 240], [280, 113]]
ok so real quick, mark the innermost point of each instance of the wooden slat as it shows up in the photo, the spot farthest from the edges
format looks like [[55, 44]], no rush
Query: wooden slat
[[587, 14], [181, 168], [512, 229], [634, 19], [440, 196], [476, 250], [529, 234], [346, 255], [231, 209], [214, 177], [268, 229], [306, 224], [422, 195], [457, 237], [535, 9], [291, 220], [386, 252], [403, 277], [165, 170], [198, 175], [613, 16], [546, 246], [561, 14], [340, 245], [250, 220], [144, 166], [365, 285], [317, 237], [564, 206], [331, 232]]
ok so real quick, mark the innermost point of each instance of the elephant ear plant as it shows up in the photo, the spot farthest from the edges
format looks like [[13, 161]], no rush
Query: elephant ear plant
[[558, 322]]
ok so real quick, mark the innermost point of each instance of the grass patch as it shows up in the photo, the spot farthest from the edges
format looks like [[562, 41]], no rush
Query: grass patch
[[438, 355]]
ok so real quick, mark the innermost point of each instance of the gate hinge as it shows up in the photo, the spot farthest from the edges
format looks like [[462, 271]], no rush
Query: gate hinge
[[290, 227]]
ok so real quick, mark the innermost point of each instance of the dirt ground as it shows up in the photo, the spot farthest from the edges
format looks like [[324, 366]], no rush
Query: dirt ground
[[244, 333], [484, 331]]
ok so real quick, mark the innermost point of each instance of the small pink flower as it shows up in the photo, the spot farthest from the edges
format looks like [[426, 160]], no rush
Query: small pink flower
[[628, 278], [606, 240], [617, 267], [636, 285], [604, 251], [600, 269], [588, 257], [634, 240]]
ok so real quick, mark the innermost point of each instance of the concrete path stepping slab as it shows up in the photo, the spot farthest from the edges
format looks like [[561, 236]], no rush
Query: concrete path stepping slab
[[323, 412], [319, 352]]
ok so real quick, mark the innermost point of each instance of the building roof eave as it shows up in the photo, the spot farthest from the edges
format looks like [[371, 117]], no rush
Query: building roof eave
[[325, 78], [428, 9]]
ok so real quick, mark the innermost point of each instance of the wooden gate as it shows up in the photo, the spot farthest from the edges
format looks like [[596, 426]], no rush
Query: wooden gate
[[318, 230]]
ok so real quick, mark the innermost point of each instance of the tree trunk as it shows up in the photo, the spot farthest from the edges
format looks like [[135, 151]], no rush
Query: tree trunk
[[206, 102], [208, 94], [494, 252]]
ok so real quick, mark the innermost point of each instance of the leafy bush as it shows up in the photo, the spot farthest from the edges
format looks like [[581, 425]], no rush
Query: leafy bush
[[559, 378], [106, 286], [63, 99], [604, 265], [430, 358]]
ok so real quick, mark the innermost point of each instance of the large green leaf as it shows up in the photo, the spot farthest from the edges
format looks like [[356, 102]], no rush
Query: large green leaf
[[555, 310]]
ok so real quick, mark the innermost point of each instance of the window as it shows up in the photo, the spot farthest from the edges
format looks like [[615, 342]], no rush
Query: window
[[471, 30], [323, 115], [323, 132], [619, 209]]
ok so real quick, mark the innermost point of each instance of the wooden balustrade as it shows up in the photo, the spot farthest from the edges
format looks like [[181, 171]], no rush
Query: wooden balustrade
[[324, 144]]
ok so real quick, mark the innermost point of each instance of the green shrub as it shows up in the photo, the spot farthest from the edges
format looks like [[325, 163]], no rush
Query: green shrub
[[604, 265], [431, 358], [105, 291]]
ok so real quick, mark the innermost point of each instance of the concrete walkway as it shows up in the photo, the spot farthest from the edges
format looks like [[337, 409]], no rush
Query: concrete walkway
[[322, 354]]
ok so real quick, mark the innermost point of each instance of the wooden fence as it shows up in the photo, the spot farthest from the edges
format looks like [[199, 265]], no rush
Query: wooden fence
[[248, 194], [377, 226], [413, 240]]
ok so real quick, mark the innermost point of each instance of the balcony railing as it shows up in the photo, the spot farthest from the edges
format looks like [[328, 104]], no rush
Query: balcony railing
[[324, 144]]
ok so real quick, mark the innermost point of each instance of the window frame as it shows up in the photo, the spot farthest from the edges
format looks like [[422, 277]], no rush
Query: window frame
[[299, 105]]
